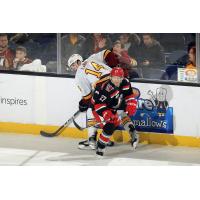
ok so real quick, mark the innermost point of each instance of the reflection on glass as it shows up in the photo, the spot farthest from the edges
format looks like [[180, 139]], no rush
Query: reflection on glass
[[28, 52], [160, 56]]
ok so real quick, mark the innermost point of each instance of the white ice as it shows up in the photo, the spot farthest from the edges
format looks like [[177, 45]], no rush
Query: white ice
[[31, 150]]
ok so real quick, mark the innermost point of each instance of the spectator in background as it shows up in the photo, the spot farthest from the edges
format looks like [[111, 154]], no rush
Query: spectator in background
[[6, 54], [186, 61], [114, 36], [96, 42], [20, 58], [19, 38], [70, 44], [151, 53], [131, 42], [125, 61], [192, 58], [124, 39]]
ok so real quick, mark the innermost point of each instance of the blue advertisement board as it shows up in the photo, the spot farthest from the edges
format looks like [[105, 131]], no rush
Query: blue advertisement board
[[154, 114]]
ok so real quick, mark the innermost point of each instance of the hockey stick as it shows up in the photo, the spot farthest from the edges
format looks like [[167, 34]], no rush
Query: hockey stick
[[59, 131], [88, 126], [82, 128]]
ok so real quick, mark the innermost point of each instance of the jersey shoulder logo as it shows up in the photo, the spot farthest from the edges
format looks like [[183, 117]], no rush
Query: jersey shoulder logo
[[109, 88]]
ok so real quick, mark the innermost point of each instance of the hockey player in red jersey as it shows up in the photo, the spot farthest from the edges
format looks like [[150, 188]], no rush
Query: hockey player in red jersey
[[110, 96]]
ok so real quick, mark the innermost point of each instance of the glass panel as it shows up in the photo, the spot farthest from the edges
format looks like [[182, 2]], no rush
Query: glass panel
[[71, 43], [158, 56], [145, 55], [198, 55], [84, 44], [36, 52], [177, 48]]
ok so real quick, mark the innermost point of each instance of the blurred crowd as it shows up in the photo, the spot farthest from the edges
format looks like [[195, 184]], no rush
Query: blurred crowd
[[144, 55]]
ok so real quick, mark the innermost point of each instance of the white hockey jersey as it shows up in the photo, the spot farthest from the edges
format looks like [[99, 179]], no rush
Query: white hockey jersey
[[100, 56], [88, 75]]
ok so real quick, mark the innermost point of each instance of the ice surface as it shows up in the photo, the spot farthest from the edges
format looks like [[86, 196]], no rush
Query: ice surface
[[31, 150]]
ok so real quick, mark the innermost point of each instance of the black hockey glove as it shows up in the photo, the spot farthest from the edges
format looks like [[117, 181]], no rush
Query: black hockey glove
[[83, 105]]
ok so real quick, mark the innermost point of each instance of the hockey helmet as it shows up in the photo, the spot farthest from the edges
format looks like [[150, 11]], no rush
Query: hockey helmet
[[117, 71], [73, 58]]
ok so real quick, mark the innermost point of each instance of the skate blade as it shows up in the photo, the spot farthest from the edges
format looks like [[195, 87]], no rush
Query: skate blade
[[81, 147], [134, 146], [99, 156]]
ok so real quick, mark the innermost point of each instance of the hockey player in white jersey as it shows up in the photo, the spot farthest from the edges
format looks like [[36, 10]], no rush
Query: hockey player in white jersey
[[87, 75], [105, 56]]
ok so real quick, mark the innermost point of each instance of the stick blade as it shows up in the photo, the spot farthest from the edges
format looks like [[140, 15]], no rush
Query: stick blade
[[45, 134]]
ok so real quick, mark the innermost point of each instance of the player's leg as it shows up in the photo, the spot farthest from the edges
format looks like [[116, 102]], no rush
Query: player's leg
[[90, 143], [92, 133], [107, 130], [129, 126], [104, 138]]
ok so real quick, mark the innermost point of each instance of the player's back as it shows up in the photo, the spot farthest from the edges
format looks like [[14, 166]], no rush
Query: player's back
[[95, 71], [89, 74], [100, 56]]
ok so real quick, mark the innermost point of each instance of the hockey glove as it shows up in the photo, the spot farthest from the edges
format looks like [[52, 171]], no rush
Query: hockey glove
[[109, 117], [131, 107], [83, 105]]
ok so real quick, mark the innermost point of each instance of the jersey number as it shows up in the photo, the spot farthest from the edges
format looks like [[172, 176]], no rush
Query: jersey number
[[97, 67], [103, 98]]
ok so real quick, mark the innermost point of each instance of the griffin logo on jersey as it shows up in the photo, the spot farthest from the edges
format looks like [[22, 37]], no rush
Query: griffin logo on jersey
[[109, 88]]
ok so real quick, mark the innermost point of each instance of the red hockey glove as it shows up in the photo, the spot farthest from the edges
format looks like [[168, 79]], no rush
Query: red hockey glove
[[111, 118], [107, 115], [131, 107]]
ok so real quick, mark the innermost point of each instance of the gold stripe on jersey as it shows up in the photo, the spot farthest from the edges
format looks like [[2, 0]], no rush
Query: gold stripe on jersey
[[88, 96], [91, 122], [106, 52], [104, 78]]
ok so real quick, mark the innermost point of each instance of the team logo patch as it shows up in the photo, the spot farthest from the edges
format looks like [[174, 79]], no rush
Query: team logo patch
[[109, 88]]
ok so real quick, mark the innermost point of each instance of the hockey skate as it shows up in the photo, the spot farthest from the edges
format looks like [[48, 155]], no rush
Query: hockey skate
[[100, 149], [134, 139], [89, 144], [110, 143], [99, 152]]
